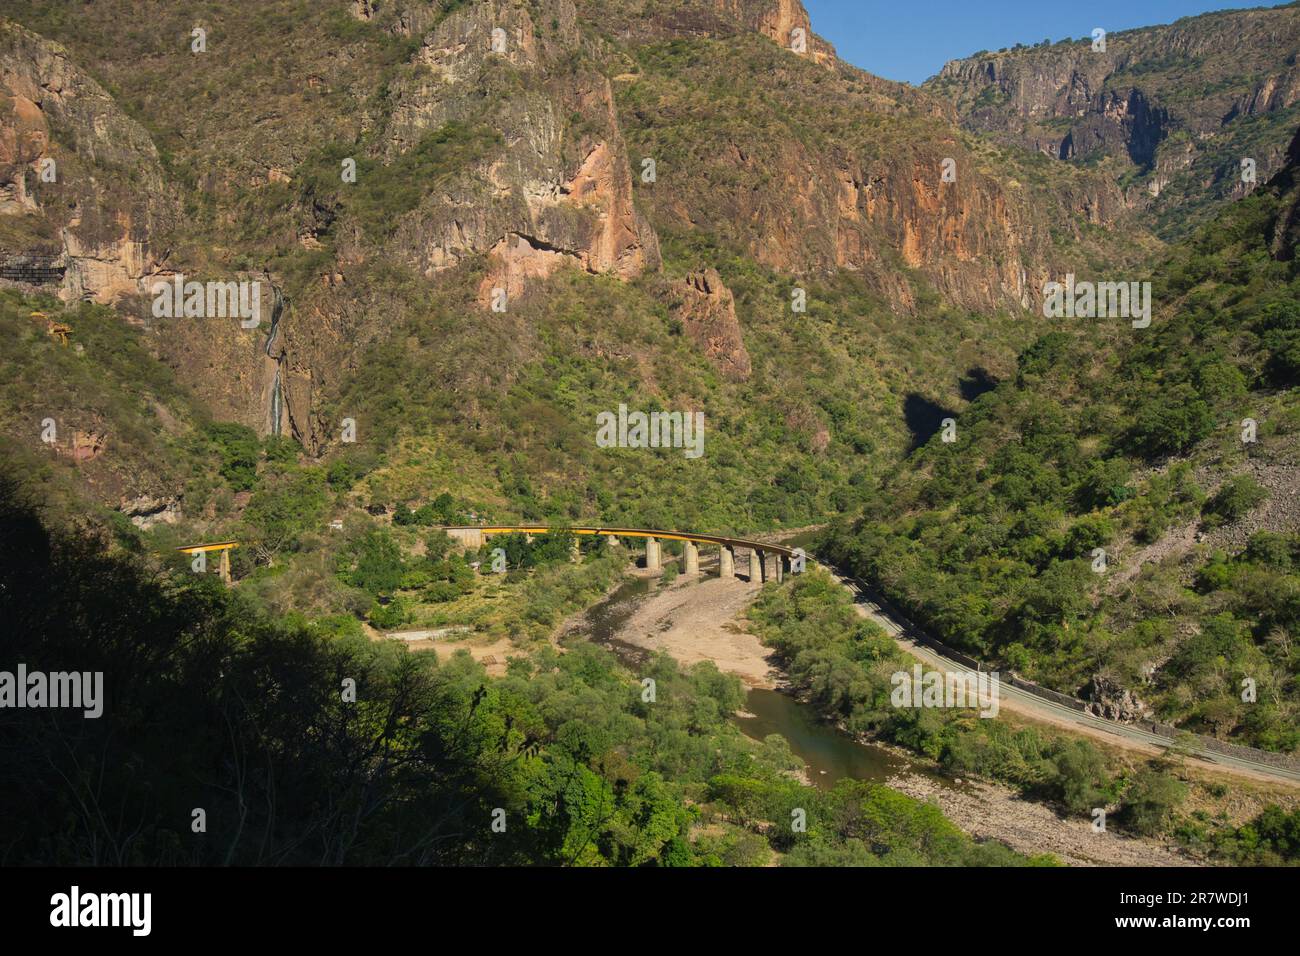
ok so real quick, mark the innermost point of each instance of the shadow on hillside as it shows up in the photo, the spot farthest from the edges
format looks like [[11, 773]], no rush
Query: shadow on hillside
[[924, 417], [975, 383]]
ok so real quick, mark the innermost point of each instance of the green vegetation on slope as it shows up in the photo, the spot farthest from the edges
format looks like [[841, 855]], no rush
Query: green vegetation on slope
[[507, 403], [843, 663], [104, 383], [305, 749], [1110, 438]]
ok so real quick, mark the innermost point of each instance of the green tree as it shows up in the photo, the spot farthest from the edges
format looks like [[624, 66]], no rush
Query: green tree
[[437, 546], [1169, 421], [287, 504], [1234, 500], [1105, 484], [239, 450], [388, 616], [1150, 801], [374, 563], [1078, 776]]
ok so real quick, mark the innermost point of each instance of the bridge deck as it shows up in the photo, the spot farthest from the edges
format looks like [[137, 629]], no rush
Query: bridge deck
[[633, 533], [218, 546]]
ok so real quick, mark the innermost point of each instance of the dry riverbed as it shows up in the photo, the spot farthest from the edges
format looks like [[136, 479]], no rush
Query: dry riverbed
[[700, 621]]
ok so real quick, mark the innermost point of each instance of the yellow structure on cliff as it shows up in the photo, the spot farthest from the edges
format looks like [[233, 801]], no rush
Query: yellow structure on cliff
[[223, 546]]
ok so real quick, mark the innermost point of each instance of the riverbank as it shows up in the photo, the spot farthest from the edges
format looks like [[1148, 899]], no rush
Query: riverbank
[[989, 811]]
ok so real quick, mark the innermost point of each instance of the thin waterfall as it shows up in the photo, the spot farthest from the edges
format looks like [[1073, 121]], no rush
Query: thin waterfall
[[277, 401]]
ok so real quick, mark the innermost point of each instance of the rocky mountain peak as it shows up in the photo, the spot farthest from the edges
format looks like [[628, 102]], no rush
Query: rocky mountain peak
[[1170, 111]]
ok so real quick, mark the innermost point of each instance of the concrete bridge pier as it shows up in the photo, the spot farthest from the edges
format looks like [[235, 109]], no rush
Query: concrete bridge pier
[[576, 552], [782, 567], [471, 538], [726, 562], [613, 540], [653, 559], [755, 567], [692, 558]]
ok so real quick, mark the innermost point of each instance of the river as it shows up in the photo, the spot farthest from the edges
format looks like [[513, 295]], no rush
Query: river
[[831, 755]]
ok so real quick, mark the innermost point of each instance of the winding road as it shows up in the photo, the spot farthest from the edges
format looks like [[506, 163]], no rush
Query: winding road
[[1031, 705]]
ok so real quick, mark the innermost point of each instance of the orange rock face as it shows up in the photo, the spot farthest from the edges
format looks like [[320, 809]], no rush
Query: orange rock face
[[102, 222], [708, 316]]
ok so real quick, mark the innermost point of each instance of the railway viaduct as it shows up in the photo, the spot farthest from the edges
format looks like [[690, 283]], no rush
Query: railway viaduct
[[761, 554]]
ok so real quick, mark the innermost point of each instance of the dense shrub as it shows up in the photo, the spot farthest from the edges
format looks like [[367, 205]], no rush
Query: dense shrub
[[1234, 500]]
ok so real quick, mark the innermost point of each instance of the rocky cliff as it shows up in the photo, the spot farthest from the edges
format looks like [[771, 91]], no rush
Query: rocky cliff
[[1170, 111], [557, 190], [422, 176], [80, 181], [814, 167], [1283, 230]]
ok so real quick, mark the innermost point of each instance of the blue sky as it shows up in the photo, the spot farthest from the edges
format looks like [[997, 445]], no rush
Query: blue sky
[[911, 41]]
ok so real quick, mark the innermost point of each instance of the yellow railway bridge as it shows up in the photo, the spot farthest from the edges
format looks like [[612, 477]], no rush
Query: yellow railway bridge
[[761, 553]]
